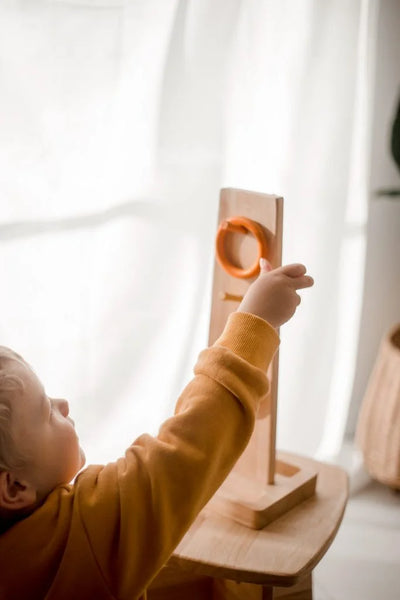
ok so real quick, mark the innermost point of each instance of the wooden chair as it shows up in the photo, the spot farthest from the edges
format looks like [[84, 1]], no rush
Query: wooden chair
[[220, 559]]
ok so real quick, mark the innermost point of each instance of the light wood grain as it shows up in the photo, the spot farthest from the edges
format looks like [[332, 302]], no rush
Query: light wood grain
[[280, 554], [258, 460], [255, 505], [254, 494]]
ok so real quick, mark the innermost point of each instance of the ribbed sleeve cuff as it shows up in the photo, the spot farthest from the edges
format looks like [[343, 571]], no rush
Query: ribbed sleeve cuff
[[251, 338]]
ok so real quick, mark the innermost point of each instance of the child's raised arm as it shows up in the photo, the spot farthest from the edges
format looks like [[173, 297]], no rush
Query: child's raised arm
[[128, 516]]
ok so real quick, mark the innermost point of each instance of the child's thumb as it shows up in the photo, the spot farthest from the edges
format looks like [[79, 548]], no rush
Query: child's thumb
[[265, 265]]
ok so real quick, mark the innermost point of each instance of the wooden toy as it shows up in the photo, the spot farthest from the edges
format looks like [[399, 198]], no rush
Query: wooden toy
[[260, 488]]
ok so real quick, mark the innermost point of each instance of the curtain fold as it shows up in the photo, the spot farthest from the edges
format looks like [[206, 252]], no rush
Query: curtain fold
[[120, 121], [301, 90]]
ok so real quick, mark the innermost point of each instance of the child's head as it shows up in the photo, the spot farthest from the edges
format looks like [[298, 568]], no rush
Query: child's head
[[39, 448]]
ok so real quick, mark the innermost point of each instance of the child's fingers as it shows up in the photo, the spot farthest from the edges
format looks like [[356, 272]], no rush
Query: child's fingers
[[296, 272], [293, 270], [305, 281]]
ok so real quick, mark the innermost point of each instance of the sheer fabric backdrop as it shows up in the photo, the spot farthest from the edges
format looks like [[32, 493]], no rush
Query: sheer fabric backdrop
[[120, 121]]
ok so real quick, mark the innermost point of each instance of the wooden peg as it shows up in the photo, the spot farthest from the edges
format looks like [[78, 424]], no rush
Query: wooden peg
[[225, 296]]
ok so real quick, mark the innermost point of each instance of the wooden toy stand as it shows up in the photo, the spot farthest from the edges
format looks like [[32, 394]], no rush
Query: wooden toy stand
[[261, 487]]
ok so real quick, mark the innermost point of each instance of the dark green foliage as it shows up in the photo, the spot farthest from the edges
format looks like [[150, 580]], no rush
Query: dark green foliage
[[395, 140], [395, 151]]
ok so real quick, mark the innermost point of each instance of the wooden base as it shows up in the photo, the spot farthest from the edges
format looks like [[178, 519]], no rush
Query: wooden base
[[254, 504], [219, 559]]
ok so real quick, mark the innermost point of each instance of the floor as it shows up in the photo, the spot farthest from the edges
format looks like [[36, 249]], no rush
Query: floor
[[363, 562]]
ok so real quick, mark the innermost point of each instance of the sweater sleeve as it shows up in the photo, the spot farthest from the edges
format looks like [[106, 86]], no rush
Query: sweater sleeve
[[136, 510]]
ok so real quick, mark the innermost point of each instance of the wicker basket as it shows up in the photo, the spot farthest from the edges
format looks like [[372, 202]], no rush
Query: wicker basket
[[378, 428]]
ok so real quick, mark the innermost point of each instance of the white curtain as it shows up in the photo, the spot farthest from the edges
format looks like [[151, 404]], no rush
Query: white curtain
[[120, 121]]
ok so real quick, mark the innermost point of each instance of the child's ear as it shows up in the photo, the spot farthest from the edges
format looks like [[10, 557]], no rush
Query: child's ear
[[15, 493]]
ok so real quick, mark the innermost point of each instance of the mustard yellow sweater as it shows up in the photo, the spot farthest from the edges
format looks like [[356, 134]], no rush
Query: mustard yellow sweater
[[107, 535]]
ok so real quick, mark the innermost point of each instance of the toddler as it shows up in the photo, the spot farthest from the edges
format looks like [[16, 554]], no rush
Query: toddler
[[108, 534]]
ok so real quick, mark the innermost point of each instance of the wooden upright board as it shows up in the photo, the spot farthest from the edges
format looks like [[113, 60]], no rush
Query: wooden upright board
[[257, 462], [259, 489]]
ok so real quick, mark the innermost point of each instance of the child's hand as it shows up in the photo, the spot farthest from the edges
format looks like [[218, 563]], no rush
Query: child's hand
[[272, 296]]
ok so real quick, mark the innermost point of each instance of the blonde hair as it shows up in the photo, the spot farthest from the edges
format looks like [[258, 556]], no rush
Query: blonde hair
[[10, 384]]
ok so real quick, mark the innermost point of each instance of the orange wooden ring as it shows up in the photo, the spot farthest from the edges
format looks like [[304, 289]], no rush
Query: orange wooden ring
[[240, 225]]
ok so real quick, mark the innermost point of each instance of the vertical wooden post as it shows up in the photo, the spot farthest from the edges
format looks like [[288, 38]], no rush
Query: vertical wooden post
[[258, 460], [259, 489]]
